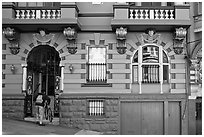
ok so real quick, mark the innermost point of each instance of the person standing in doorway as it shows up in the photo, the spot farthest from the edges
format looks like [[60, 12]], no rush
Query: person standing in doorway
[[40, 100]]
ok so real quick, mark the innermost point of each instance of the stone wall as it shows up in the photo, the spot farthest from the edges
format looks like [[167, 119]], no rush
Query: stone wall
[[73, 113], [13, 106], [74, 110]]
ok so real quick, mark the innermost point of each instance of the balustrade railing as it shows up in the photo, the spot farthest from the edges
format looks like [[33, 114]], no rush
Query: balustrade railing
[[38, 14], [151, 13], [96, 72]]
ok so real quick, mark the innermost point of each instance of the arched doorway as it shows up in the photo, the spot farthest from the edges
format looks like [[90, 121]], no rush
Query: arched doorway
[[42, 70]]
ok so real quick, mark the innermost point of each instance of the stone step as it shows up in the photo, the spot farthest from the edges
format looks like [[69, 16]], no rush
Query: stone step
[[55, 120]]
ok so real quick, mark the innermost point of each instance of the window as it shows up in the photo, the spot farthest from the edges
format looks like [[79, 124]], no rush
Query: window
[[96, 64], [152, 62], [96, 107]]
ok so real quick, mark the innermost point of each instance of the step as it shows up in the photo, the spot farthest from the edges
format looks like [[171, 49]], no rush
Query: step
[[55, 120]]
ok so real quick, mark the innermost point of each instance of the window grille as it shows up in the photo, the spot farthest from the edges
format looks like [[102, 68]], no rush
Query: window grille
[[150, 74], [96, 108], [96, 72]]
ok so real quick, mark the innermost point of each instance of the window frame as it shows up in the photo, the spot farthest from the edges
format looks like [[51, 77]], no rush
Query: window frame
[[97, 83], [140, 63]]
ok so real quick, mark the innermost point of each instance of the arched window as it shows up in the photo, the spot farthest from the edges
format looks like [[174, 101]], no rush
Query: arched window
[[150, 64]]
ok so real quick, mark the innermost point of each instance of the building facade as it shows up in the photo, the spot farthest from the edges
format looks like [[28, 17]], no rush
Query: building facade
[[119, 68]]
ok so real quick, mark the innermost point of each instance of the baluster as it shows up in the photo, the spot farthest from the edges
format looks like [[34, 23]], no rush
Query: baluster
[[151, 14], [166, 14], [171, 14], [156, 14], [38, 14], [141, 14], [33, 14], [17, 14], [161, 14], [59, 14], [48, 14], [28, 14], [53, 14], [136, 14], [146, 14], [22, 14], [131, 14], [43, 14]]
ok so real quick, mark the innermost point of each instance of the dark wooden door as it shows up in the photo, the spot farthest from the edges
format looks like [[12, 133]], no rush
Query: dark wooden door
[[130, 118], [174, 124]]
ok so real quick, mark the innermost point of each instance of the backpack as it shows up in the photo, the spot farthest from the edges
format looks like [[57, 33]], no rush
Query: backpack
[[39, 99]]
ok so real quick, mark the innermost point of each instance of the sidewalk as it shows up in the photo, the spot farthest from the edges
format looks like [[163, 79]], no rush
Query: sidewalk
[[20, 127]]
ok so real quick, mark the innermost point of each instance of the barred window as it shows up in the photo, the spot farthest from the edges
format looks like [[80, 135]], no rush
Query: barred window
[[97, 64], [96, 107]]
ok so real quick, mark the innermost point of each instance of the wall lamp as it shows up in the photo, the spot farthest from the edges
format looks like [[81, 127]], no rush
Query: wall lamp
[[71, 68], [13, 69], [121, 38], [179, 40], [71, 34], [13, 37]]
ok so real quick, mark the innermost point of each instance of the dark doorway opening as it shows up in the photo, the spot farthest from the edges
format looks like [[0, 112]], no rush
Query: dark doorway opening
[[43, 68]]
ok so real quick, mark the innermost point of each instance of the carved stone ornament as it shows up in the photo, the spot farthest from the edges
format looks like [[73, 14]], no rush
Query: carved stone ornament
[[180, 33], [121, 33], [150, 36], [10, 34], [14, 50], [179, 39], [43, 37], [70, 33], [13, 37], [72, 50]]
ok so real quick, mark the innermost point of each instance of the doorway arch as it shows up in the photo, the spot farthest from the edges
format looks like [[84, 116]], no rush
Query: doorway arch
[[42, 70], [43, 64]]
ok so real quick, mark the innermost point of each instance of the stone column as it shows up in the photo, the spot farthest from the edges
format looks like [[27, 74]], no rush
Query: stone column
[[24, 86], [161, 69], [140, 69], [62, 78]]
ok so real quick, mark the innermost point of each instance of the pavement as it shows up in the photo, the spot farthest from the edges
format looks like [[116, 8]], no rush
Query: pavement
[[22, 127]]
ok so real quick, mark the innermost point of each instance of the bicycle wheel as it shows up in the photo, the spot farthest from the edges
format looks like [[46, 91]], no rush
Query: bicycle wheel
[[50, 116]]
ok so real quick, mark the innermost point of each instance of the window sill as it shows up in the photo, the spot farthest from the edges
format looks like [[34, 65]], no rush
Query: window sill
[[96, 84]]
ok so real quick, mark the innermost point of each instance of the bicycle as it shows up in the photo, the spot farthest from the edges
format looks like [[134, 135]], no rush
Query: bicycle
[[48, 112]]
